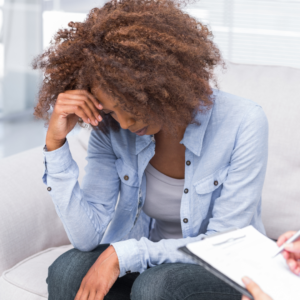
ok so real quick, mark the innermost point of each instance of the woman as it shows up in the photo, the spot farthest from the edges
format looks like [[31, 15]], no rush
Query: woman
[[186, 160], [292, 257]]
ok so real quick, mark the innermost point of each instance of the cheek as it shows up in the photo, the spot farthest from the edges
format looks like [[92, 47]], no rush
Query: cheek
[[114, 116]]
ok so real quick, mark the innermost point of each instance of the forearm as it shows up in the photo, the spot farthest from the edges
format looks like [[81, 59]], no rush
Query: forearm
[[61, 175], [137, 256]]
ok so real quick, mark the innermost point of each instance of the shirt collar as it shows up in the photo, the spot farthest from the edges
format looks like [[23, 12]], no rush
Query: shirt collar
[[141, 142], [193, 135]]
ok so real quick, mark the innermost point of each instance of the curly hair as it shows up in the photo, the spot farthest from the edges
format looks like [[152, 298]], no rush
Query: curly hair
[[155, 59]]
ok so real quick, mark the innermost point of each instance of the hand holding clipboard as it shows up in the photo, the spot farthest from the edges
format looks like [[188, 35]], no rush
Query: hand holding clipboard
[[242, 252]]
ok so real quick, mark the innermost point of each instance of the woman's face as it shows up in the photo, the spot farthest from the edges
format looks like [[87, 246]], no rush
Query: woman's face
[[125, 119]]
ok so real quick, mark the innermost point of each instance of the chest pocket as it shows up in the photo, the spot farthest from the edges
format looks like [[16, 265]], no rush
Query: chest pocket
[[129, 185], [206, 190], [210, 183]]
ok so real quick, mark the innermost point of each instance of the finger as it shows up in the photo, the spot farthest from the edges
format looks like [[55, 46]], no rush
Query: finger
[[292, 264], [91, 295], [85, 295], [83, 102], [285, 254], [95, 101], [68, 98], [74, 109], [79, 293], [284, 237], [293, 247], [99, 296], [87, 107], [245, 298], [94, 109], [297, 269], [77, 107], [88, 94], [252, 287]]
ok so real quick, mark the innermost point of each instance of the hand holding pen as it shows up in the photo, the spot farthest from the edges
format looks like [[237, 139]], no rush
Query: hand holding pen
[[290, 247]]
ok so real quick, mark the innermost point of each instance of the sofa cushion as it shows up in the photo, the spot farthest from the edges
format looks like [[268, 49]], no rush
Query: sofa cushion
[[277, 90], [27, 280], [28, 220]]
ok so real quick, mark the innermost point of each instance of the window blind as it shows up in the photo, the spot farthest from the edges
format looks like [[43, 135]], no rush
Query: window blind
[[263, 32]]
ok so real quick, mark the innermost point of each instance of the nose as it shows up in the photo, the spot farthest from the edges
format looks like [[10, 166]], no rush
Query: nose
[[126, 121]]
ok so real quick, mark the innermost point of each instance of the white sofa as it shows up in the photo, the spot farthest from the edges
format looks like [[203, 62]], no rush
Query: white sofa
[[32, 236]]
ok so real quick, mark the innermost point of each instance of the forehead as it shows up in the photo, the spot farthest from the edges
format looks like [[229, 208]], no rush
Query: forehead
[[107, 100]]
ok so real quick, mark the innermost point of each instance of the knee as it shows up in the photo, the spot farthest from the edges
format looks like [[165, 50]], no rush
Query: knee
[[151, 284], [68, 270], [59, 278]]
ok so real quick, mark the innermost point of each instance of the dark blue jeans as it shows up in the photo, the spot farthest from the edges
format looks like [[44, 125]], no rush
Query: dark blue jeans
[[163, 282]]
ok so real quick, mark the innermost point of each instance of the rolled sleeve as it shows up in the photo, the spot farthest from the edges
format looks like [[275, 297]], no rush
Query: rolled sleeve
[[129, 256], [58, 160]]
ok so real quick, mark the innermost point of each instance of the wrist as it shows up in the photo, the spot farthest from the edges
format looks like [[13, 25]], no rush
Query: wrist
[[52, 144], [111, 255]]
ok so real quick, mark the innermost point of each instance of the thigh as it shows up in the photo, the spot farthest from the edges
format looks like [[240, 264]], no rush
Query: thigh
[[181, 282], [67, 272]]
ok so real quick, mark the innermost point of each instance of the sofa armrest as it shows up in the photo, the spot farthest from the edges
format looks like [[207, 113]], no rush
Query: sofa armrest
[[28, 220]]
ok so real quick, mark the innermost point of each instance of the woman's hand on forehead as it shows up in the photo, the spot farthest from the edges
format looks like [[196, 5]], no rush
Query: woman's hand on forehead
[[69, 107], [85, 104]]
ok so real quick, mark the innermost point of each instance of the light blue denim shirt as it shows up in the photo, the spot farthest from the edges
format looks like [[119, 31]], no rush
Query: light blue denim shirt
[[227, 156]]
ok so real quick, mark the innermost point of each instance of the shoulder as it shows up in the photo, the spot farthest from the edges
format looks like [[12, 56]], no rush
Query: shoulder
[[230, 102], [232, 109]]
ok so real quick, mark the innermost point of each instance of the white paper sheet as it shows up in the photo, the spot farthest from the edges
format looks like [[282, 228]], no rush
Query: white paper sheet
[[246, 252]]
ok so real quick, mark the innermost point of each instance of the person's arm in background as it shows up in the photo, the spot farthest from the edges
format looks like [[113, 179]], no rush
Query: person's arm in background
[[291, 255]]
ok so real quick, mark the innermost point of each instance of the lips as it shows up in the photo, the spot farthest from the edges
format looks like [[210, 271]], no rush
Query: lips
[[141, 131]]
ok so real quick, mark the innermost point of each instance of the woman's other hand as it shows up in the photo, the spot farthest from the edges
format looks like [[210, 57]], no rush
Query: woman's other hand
[[291, 252], [255, 290], [69, 107], [101, 276]]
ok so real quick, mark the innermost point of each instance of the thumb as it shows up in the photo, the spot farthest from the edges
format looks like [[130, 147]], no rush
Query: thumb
[[293, 247], [252, 287]]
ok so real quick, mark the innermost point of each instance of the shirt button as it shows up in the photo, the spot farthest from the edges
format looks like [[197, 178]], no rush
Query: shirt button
[[216, 182], [128, 272], [185, 220], [49, 189], [186, 191], [188, 162], [126, 177]]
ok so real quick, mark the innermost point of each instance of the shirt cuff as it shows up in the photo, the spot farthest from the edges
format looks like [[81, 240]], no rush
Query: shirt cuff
[[58, 160], [129, 256]]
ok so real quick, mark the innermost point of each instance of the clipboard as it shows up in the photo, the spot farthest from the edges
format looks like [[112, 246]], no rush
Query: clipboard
[[213, 270]]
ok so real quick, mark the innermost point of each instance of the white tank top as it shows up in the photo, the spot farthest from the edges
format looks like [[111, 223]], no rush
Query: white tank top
[[162, 203]]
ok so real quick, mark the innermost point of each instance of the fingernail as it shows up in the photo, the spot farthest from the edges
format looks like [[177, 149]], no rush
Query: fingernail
[[99, 117], [291, 264], [89, 120], [96, 122], [289, 246], [100, 106]]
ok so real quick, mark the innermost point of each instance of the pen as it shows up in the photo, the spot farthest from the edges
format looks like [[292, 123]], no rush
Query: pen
[[290, 240]]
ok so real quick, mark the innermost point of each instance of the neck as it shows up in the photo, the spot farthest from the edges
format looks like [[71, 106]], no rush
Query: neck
[[165, 135]]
